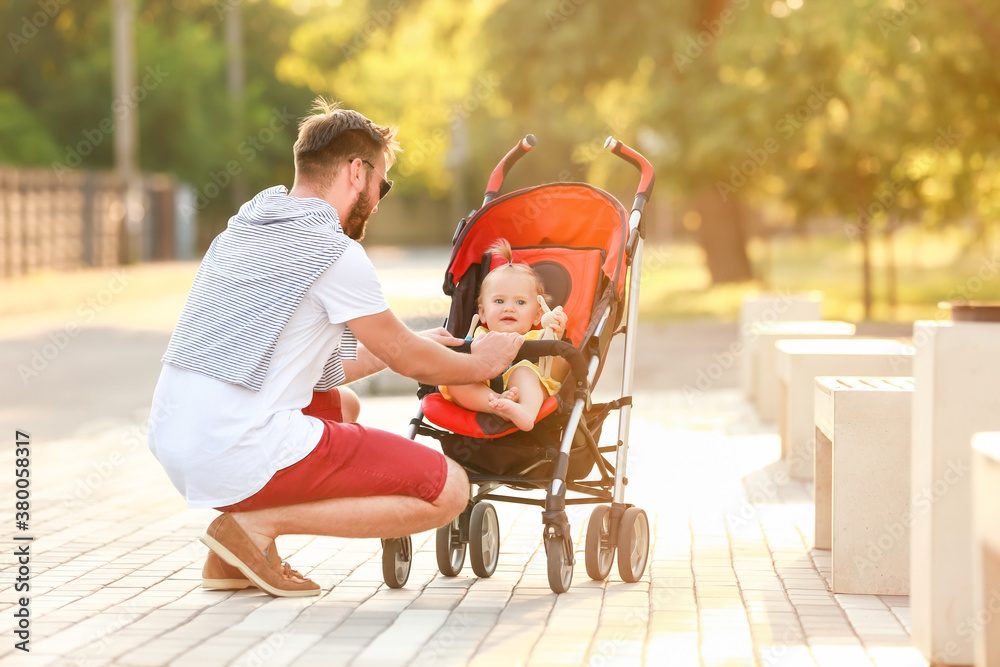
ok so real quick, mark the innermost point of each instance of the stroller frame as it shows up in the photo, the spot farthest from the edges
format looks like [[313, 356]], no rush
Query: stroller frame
[[619, 527]]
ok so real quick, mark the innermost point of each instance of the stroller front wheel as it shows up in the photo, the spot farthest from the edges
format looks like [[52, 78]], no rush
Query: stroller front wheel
[[397, 556], [450, 549], [558, 553]]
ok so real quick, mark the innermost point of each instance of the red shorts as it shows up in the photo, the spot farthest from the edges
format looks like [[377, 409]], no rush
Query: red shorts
[[351, 461]]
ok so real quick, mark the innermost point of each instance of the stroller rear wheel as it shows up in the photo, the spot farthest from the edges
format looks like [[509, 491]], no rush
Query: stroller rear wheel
[[599, 555], [633, 545], [397, 556], [450, 549], [559, 554], [484, 539]]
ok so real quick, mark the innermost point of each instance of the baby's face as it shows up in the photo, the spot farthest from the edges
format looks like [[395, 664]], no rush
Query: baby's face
[[510, 305]]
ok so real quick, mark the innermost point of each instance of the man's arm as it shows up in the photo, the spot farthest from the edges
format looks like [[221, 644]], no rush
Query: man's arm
[[368, 364], [427, 361]]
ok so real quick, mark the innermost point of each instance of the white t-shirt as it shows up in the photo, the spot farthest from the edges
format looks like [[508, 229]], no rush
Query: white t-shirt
[[220, 443]]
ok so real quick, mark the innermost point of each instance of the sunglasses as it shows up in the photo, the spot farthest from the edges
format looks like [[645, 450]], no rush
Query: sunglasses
[[384, 186]]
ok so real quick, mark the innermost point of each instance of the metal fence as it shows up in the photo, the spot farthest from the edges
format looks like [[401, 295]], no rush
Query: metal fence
[[70, 221]]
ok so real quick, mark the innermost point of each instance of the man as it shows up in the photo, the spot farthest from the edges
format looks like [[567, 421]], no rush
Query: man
[[286, 302]]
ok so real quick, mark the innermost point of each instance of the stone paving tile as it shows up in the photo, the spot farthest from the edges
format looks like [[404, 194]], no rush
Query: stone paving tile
[[732, 578]]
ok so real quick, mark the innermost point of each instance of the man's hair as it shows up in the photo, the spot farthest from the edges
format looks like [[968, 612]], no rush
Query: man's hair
[[332, 135]]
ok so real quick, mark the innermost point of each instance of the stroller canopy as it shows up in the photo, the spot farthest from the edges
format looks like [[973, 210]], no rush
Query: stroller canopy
[[573, 215]]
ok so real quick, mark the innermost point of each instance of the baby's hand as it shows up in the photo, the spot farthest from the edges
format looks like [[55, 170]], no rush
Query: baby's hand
[[553, 319], [558, 320]]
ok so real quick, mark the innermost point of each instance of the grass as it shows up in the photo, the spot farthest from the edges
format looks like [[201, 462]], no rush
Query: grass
[[930, 267]]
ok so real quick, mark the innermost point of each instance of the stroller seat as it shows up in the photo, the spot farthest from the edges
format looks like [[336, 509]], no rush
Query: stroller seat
[[571, 277], [441, 412]]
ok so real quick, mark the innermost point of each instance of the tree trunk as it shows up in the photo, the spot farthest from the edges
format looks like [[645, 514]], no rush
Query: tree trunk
[[891, 290], [722, 237], [866, 269]]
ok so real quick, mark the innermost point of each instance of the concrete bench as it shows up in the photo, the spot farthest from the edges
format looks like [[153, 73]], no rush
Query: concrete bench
[[986, 544], [762, 354], [800, 362], [862, 482], [956, 372], [768, 307]]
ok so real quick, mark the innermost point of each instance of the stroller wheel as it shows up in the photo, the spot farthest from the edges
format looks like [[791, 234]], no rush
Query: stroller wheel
[[633, 545], [484, 540], [558, 552], [600, 552], [397, 555], [450, 549]]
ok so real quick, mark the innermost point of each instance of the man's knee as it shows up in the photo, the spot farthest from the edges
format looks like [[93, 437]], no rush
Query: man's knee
[[455, 494], [350, 405]]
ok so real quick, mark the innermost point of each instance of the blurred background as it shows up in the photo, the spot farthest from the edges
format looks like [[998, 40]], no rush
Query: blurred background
[[850, 147]]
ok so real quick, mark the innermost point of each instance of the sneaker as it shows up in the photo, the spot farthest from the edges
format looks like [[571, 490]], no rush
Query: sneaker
[[218, 575], [236, 550]]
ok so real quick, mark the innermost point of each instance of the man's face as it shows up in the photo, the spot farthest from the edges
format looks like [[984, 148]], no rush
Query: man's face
[[355, 221]]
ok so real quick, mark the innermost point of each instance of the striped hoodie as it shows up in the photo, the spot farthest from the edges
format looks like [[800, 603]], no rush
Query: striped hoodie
[[251, 280]]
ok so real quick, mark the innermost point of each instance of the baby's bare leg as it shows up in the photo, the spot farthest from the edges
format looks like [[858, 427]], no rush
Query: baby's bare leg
[[475, 397], [530, 395]]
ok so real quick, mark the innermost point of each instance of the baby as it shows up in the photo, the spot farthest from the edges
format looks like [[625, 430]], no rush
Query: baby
[[508, 302]]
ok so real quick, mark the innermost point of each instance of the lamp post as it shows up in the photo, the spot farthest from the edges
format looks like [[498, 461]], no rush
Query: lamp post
[[126, 138]]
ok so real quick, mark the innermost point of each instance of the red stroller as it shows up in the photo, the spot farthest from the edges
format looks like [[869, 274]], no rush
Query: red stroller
[[585, 247]]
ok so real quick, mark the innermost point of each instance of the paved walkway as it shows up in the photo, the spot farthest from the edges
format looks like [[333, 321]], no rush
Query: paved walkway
[[115, 565], [115, 570]]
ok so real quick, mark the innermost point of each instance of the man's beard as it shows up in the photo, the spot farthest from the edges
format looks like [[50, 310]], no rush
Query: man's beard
[[356, 220]]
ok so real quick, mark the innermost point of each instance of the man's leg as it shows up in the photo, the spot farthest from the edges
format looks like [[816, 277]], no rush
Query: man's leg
[[339, 404], [374, 516]]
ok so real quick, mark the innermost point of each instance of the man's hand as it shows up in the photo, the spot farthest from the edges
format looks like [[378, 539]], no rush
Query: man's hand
[[496, 350], [441, 335]]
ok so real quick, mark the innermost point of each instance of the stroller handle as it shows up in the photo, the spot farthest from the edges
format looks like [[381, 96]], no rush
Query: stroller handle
[[508, 161], [533, 349], [636, 159]]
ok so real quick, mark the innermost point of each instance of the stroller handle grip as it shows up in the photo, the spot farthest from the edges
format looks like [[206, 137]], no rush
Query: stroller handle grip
[[636, 159], [504, 166]]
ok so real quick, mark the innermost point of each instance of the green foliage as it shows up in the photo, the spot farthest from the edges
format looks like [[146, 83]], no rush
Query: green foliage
[[800, 108], [24, 139]]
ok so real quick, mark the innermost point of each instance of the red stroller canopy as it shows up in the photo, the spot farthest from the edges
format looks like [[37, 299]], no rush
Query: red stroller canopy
[[559, 214]]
